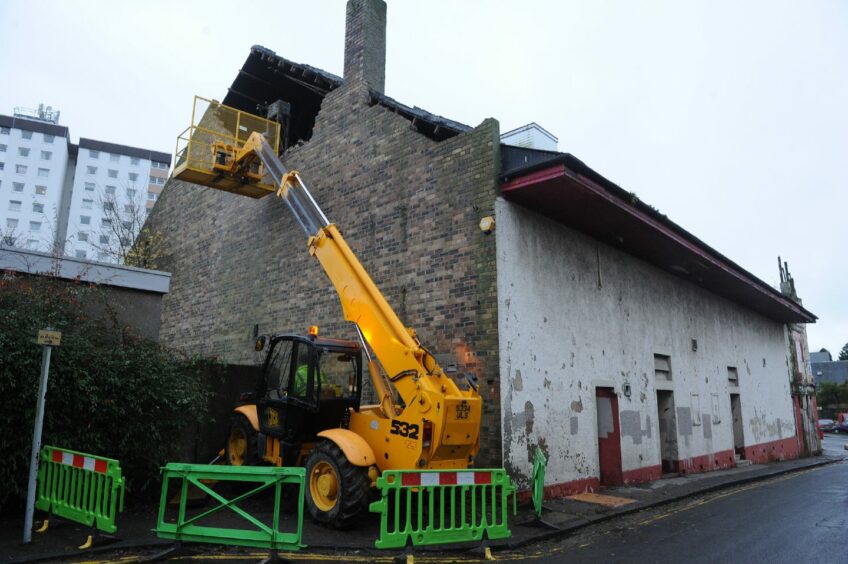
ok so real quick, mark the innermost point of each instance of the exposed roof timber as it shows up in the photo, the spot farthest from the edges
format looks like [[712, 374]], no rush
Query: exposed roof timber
[[431, 125], [566, 190]]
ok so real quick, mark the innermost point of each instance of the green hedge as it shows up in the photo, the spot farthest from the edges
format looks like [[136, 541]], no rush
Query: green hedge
[[110, 392]]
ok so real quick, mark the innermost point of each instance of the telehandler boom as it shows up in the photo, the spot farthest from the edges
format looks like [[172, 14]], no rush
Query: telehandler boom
[[423, 419]]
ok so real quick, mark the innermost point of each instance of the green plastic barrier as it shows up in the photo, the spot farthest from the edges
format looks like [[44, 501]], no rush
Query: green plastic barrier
[[259, 535], [80, 487], [539, 465], [442, 506]]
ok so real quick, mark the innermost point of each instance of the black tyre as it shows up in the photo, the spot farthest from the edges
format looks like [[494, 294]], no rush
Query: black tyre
[[337, 492], [241, 443]]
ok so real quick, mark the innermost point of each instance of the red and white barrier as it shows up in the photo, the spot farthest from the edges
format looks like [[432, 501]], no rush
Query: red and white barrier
[[79, 461], [416, 479]]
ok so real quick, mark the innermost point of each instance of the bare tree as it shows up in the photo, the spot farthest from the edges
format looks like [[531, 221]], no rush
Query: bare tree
[[122, 236]]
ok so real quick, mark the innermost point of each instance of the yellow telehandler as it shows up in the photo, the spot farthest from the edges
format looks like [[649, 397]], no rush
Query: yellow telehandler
[[306, 409]]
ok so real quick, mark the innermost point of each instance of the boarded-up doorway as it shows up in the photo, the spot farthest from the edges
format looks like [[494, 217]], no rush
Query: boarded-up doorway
[[668, 430], [609, 437], [738, 434]]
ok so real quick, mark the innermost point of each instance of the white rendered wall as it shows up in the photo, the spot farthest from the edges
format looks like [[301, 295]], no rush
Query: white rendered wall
[[41, 240], [99, 184], [575, 314]]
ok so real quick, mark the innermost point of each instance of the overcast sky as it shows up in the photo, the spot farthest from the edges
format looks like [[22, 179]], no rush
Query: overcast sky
[[729, 117]]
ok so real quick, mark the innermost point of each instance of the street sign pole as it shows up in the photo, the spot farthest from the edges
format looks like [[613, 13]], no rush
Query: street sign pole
[[47, 339]]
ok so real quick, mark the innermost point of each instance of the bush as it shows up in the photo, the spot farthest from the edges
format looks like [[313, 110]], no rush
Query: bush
[[110, 392]]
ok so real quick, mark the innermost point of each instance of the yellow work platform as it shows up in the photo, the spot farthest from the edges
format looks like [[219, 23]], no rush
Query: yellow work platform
[[214, 125]]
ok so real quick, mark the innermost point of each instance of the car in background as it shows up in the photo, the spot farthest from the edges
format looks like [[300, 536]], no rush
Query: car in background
[[841, 426], [827, 425]]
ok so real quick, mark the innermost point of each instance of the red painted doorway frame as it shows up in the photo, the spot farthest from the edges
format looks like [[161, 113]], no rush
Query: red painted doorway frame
[[609, 441]]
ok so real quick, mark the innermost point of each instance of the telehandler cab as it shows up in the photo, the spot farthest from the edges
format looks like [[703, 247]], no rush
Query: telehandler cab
[[306, 408]]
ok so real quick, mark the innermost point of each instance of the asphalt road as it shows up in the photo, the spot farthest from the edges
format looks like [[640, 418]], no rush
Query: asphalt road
[[834, 443], [801, 517]]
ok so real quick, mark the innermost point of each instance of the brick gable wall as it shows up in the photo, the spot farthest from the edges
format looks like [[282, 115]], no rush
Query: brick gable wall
[[407, 205]]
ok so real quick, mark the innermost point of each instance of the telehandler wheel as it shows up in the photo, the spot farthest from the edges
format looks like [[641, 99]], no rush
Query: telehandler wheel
[[336, 490], [241, 443]]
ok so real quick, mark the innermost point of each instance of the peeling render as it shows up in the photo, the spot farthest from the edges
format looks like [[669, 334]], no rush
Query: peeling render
[[561, 335]]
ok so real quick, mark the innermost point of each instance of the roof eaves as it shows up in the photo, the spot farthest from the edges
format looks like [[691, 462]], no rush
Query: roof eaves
[[580, 168]]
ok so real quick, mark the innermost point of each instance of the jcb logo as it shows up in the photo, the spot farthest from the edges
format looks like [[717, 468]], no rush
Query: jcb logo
[[463, 410], [272, 417]]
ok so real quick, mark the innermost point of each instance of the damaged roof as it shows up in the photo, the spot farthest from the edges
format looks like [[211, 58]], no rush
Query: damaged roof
[[562, 187], [266, 77]]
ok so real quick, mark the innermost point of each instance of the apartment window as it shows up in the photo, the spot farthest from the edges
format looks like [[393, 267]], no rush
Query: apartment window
[[40, 190], [151, 196], [133, 176], [48, 138], [125, 241], [37, 207], [44, 172], [46, 155], [93, 154], [89, 186], [32, 243], [2, 166], [108, 206], [105, 222], [82, 236], [26, 134], [14, 205], [662, 367], [131, 192], [110, 190], [157, 164], [18, 186], [128, 208], [23, 151], [104, 239], [35, 226], [732, 376], [87, 204], [8, 240], [11, 223], [4, 131], [114, 158], [155, 180], [113, 173], [134, 161], [91, 169], [85, 220], [126, 225], [80, 254], [3, 148], [21, 169]]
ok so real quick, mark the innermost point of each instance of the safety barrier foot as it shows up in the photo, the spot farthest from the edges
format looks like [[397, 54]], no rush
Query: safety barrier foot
[[96, 538], [174, 551], [43, 527], [483, 551], [274, 558], [406, 558]]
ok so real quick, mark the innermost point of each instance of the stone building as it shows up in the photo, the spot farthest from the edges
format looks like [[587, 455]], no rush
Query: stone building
[[601, 331]]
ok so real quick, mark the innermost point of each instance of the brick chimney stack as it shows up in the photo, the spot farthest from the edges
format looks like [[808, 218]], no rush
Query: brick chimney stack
[[365, 43]]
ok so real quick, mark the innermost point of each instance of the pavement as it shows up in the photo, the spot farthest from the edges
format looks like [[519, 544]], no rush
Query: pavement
[[566, 515]]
